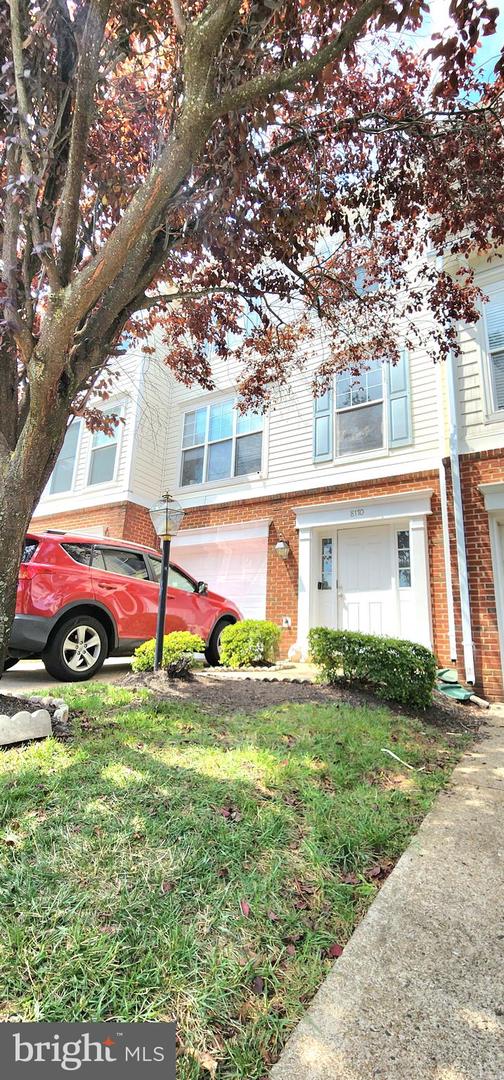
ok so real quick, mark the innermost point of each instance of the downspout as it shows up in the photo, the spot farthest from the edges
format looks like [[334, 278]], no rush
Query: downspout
[[458, 511], [445, 524]]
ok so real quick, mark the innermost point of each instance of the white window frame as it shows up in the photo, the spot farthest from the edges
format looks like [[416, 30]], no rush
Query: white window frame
[[376, 450], [118, 407], [48, 494], [232, 479]]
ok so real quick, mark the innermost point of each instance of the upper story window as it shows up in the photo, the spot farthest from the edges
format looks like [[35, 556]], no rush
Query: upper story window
[[359, 411], [104, 451], [494, 312], [365, 412], [219, 443], [63, 473]]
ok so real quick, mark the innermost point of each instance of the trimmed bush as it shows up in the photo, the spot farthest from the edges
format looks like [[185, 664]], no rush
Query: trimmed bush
[[396, 670], [252, 641], [179, 648]]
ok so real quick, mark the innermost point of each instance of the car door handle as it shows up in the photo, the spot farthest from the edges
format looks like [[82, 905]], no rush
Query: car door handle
[[108, 586]]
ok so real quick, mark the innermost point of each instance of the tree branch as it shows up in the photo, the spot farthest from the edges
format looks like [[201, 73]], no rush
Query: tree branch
[[261, 86], [179, 17], [84, 97]]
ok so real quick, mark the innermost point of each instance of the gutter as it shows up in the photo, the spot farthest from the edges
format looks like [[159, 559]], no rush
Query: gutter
[[458, 510], [445, 522]]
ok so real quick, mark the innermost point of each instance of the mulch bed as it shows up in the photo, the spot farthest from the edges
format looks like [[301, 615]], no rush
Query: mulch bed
[[249, 695]]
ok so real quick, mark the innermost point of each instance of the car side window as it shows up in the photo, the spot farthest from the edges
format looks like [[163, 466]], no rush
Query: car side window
[[119, 561], [80, 553], [176, 580]]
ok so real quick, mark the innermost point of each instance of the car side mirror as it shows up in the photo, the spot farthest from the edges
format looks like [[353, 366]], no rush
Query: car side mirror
[[202, 588]]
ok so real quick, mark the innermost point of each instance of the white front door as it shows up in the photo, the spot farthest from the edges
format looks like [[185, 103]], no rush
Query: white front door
[[366, 581]]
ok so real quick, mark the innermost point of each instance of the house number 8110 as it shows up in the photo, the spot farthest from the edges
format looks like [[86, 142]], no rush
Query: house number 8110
[[357, 513]]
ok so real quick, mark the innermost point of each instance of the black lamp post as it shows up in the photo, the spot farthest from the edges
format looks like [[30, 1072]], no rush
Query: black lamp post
[[166, 517]]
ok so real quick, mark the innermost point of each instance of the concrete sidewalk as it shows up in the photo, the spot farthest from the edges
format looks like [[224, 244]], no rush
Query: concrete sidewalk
[[418, 993]]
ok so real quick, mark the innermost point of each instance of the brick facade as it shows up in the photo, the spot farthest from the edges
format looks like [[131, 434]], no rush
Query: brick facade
[[123, 521], [132, 522]]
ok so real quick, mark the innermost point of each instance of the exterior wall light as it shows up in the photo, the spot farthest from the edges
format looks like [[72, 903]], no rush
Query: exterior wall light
[[166, 516], [282, 549]]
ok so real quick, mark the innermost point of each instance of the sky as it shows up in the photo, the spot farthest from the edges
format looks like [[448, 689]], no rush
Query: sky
[[490, 47]]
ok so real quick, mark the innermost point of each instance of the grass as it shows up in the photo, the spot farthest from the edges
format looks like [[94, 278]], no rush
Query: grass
[[166, 863]]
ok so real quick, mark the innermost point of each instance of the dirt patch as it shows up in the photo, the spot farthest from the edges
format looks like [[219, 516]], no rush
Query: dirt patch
[[250, 695]]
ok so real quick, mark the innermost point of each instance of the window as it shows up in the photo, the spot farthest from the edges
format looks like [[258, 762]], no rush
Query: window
[[327, 563], [219, 443], [349, 417], [176, 579], [104, 453], [29, 549], [63, 472], [80, 553], [116, 561], [495, 326], [404, 558], [359, 411]]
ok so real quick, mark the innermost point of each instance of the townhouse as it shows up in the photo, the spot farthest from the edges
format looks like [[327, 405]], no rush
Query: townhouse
[[378, 507]]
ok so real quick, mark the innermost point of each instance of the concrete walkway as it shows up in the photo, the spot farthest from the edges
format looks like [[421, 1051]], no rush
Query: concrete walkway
[[418, 993]]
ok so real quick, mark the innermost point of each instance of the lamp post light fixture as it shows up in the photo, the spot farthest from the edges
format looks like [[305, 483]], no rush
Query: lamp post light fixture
[[166, 516]]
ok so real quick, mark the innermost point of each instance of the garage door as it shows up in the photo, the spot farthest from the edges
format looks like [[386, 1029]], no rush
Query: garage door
[[232, 561]]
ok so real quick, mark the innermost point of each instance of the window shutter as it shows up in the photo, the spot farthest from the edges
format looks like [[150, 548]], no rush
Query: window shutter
[[494, 312], [323, 427], [399, 402]]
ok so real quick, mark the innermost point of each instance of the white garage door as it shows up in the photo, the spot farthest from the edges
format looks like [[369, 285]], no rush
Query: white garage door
[[233, 561]]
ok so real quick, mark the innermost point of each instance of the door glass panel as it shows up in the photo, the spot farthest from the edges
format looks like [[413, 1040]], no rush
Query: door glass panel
[[327, 563], [404, 558]]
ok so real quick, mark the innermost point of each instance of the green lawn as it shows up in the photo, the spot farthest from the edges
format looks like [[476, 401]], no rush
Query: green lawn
[[166, 863]]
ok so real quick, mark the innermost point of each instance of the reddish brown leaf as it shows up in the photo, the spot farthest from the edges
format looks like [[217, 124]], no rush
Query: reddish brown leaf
[[334, 951], [167, 886], [291, 950], [245, 908], [258, 985]]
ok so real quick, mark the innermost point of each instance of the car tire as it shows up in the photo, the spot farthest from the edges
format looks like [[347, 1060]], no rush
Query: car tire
[[212, 651], [76, 650]]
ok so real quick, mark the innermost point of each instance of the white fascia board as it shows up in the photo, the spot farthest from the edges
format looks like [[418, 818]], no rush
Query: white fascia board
[[223, 534], [406, 504]]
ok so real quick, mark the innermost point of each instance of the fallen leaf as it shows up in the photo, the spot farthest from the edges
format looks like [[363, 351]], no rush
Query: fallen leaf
[[334, 951], [375, 871], [245, 908], [167, 886], [223, 872], [230, 813], [205, 1061], [291, 950], [349, 879], [272, 917], [258, 985]]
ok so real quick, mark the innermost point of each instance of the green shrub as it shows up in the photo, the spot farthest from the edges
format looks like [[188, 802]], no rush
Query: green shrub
[[252, 641], [396, 670], [179, 648]]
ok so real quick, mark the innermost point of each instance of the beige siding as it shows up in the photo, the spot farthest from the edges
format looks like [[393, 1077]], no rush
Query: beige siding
[[480, 426]]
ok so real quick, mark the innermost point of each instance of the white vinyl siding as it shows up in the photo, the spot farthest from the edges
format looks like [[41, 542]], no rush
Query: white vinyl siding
[[62, 478]]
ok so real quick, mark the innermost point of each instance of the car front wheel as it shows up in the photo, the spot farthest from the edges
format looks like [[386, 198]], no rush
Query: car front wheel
[[212, 651], [76, 650]]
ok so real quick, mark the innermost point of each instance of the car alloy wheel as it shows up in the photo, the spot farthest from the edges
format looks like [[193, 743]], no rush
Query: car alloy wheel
[[81, 648]]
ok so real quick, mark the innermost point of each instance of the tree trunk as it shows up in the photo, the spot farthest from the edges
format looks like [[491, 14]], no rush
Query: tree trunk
[[23, 475], [14, 521]]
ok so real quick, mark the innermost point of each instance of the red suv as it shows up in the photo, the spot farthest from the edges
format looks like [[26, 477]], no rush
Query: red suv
[[80, 600]]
